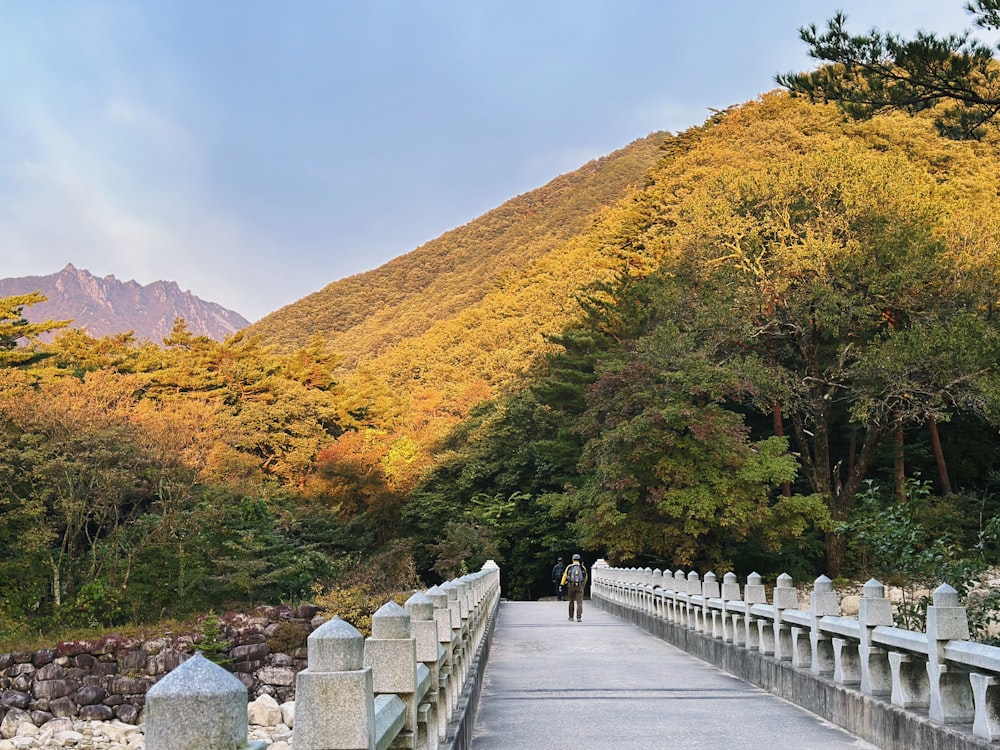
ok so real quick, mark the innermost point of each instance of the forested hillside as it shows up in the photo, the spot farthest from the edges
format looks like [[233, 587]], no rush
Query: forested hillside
[[777, 350], [364, 315]]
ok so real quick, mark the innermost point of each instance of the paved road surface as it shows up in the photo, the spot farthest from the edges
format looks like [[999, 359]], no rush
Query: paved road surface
[[602, 684]]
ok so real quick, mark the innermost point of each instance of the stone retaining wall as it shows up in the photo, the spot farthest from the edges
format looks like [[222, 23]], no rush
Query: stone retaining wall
[[108, 678]]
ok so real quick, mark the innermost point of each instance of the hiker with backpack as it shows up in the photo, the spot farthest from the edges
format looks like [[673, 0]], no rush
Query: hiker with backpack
[[557, 571], [574, 578]]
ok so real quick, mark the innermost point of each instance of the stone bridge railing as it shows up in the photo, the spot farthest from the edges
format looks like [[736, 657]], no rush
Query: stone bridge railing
[[896, 688], [413, 684]]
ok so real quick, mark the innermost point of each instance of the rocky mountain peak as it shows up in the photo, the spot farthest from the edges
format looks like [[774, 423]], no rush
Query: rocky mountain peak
[[106, 306]]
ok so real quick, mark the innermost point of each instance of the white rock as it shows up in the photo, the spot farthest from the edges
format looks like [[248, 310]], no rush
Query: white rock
[[850, 605], [6, 745], [280, 746], [264, 712], [12, 722], [53, 726], [281, 733], [70, 737], [115, 731], [288, 714]]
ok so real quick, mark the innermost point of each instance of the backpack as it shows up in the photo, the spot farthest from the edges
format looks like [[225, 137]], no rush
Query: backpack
[[575, 574]]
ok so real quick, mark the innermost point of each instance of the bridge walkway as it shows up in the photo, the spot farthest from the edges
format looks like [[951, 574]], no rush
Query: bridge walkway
[[603, 684]]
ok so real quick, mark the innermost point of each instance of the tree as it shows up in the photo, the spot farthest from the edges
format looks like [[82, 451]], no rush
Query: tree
[[14, 328], [873, 73], [670, 469]]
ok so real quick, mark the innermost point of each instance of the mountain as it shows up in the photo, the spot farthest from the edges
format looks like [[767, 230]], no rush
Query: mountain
[[108, 306]]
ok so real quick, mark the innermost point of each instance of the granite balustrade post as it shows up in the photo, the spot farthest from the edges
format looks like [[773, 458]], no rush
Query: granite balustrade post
[[822, 602], [657, 599], [693, 611], [423, 628], [680, 598], [875, 609], [445, 634], [951, 698], [391, 653], [731, 630], [753, 593], [334, 695], [666, 593], [198, 706], [785, 596], [710, 590], [647, 591], [458, 643]]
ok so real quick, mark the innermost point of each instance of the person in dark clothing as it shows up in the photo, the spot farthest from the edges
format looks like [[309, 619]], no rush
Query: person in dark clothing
[[557, 571], [574, 578]]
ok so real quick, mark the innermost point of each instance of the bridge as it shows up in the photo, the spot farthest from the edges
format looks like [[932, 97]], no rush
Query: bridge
[[661, 659]]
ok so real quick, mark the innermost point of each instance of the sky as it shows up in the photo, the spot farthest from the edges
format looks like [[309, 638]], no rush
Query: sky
[[255, 151]]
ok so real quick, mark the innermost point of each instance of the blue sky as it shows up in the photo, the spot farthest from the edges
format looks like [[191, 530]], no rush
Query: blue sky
[[254, 151]]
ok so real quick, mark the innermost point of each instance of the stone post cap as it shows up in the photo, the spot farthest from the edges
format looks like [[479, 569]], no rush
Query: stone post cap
[[438, 596], [730, 578], [946, 620], [197, 706], [335, 646], [390, 621], [197, 677], [824, 600], [668, 573], [873, 590], [693, 582], [451, 590], [822, 585], [754, 592], [600, 563], [945, 596], [679, 575], [420, 606], [710, 586], [785, 594], [490, 565]]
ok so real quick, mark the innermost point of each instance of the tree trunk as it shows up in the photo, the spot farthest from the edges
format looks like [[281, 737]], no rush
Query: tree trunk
[[836, 548], [900, 466], [56, 583], [779, 430], [944, 483]]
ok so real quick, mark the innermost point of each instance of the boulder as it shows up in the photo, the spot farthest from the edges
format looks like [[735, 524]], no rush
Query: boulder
[[14, 718], [288, 714], [14, 699], [51, 728], [96, 713], [264, 712], [277, 675], [90, 695]]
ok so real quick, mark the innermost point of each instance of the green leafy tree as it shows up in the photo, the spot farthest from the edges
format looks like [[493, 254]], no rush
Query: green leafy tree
[[670, 468], [868, 74]]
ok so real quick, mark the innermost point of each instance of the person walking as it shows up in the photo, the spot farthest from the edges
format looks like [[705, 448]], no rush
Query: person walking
[[557, 571], [574, 578]]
